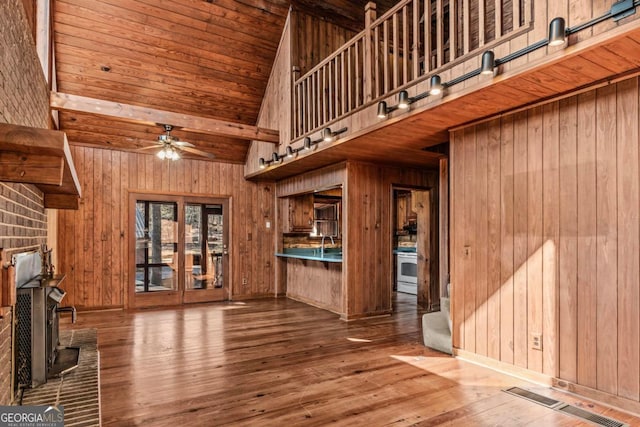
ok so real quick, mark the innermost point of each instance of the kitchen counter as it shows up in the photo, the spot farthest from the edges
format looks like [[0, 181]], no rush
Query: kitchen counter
[[404, 250], [312, 254]]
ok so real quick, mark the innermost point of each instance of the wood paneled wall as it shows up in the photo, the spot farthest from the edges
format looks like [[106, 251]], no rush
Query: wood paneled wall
[[315, 39], [24, 100], [94, 239], [367, 206], [306, 40], [329, 176], [316, 283], [368, 233], [546, 240], [275, 111]]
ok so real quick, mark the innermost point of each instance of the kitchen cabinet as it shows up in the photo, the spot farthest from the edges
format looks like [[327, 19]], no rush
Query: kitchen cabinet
[[301, 213], [327, 218], [405, 210]]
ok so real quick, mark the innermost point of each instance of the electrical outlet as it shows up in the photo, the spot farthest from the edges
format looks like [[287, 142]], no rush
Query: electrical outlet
[[244, 281], [536, 341]]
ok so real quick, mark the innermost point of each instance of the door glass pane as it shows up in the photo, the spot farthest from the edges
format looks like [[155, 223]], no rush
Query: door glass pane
[[203, 246], [215, 244], [156, 246], [193, 246]]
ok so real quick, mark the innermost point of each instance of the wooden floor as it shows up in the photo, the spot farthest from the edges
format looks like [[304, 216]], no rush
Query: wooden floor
[[283, 363]]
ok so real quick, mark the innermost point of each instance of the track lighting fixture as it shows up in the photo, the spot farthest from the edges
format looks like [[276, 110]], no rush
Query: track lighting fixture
[[383, 111], [488, 63], [329, 136], [557, 32], [291, 153], [403, 100], [436, 86], [307, 144]]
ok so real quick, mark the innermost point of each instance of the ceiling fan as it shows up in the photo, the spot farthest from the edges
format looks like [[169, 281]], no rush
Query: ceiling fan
[[170, 146]]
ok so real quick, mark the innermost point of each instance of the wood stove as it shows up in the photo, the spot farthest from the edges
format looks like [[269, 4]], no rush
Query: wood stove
[[37, 327]]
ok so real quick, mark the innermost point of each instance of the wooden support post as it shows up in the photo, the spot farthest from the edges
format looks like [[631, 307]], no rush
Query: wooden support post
[[444, 226], [296, 104], [369, 78]]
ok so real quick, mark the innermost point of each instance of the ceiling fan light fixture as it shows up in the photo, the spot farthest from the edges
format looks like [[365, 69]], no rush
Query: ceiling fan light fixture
[[168, 153]]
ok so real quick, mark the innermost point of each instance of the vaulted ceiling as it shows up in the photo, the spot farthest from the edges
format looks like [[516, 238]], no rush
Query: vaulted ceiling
[[208, 58]]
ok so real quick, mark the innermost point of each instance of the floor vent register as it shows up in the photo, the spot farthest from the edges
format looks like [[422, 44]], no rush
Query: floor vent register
[[564, 407]]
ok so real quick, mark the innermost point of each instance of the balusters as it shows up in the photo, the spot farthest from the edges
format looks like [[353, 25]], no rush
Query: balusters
[[406, 44]]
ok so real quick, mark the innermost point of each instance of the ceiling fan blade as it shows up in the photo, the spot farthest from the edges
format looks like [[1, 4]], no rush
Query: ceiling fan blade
[[198, 152], [183, 144], [150, 147]]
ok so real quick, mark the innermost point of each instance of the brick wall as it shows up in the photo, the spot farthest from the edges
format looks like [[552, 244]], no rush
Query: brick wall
[[24, 100]]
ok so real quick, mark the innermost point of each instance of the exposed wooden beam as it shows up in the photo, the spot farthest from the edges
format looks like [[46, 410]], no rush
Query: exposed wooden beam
[[44, 36], [61, 201], [41, 157], [68, 102]]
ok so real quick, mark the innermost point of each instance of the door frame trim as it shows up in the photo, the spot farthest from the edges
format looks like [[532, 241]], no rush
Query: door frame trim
[[180, 295]]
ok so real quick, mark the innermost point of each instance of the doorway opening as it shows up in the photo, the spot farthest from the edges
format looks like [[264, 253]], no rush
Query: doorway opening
[[181, 250], [415, 246]]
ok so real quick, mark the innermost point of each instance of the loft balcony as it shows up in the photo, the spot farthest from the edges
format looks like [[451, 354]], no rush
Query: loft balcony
[[401, 51]]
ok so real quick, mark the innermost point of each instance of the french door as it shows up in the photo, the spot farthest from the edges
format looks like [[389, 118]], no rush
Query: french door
[[181, 250]]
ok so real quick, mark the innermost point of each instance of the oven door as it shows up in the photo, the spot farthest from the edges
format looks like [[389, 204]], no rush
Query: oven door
[[408, 268]]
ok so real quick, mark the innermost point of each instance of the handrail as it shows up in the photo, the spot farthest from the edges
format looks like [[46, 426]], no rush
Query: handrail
[[328, 59], [405, 45]]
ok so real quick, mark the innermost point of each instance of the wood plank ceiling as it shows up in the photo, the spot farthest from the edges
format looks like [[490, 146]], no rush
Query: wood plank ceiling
[[209, 58]]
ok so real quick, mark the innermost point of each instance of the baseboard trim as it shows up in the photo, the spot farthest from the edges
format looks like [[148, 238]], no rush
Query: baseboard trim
[[616, 402], [360, 316], [504, 368]]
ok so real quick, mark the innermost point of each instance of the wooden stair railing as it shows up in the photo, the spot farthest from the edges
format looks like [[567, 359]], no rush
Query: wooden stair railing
[[397, 50]]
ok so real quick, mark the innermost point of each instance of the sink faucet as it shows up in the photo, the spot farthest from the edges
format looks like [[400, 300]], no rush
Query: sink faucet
[[322, 245]]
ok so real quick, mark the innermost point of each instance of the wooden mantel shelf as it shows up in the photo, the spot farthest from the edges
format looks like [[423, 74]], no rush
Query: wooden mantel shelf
[[41, 157]]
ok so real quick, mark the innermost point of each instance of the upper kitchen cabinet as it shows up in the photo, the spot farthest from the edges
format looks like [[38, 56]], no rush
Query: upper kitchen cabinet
[[405, 209], [327, 214], [301, 213]]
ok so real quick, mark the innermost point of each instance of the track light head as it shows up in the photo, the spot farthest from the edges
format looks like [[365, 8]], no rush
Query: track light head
[[307, 143], [403, 100], [557, 32], [275, 158], [290, 152], [436, 85], [488, 63], [382, 110], [262, 163], [327, 135]]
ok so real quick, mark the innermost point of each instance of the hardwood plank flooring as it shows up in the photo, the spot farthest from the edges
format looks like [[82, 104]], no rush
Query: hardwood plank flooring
[[280, 362]]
